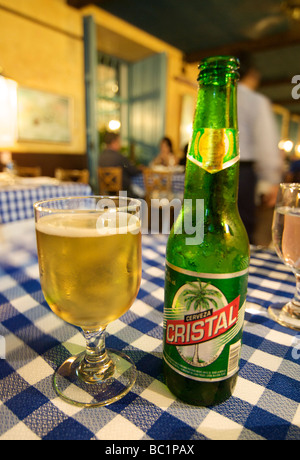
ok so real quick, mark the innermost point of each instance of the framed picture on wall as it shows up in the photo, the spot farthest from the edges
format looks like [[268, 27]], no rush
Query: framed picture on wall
[[43, 116]]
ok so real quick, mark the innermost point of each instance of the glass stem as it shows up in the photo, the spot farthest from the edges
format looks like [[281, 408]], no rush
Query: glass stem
[[96, 364], [296, 299]]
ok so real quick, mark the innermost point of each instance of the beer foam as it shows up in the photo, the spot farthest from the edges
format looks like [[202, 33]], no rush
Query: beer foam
[[85, 224]]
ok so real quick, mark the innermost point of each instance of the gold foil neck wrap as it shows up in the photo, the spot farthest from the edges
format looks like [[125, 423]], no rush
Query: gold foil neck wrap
[[213, 146]]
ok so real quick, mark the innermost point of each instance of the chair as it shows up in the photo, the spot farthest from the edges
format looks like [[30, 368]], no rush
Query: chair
[[24, 171], [72, 175], [110, 179], [158, 184]]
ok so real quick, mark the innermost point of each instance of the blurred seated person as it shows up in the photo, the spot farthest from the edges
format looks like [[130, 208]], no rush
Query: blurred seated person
[[293, 174], [182, 161], [111, 156], [166, 156]]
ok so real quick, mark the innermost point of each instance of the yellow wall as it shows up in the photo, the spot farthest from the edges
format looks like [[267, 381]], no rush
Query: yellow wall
[[41, 47], [179, 84]]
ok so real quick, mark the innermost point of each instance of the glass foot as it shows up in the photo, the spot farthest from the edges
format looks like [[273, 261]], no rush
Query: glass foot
[[70, 387], [284, 315]]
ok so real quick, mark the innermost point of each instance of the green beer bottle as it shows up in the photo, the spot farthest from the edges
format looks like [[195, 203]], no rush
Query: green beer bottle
[[207, 256]]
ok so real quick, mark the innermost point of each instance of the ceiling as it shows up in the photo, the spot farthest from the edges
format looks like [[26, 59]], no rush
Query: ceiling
[[268, 29]]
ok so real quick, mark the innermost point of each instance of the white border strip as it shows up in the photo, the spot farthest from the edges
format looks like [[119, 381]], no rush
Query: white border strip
[[199, 379], [225, 165], [217, 276]]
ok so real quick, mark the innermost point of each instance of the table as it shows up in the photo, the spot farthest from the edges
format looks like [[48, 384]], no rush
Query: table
[[16, 203], [265, 404], [177, 182]]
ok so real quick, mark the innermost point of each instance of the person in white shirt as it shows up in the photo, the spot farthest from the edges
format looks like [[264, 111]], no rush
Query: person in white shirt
[[261, 160]]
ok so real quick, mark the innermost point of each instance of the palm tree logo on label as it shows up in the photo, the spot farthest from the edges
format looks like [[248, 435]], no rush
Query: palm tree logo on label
[[201, 322]]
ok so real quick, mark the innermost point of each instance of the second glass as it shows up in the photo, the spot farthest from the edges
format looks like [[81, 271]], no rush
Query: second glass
[[89, 251], [286, 239]]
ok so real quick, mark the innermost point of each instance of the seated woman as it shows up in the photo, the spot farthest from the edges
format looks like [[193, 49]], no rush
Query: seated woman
[[166, 156]]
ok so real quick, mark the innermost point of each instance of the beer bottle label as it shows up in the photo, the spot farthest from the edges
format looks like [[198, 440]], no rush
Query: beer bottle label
[[203, 322], [214, 149]]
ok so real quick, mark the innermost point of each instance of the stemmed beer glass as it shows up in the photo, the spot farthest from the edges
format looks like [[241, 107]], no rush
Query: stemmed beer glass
[[286, 239], [89, 251]]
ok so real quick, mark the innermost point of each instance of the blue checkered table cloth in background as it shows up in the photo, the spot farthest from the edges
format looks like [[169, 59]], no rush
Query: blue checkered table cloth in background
[[177, 182], [265, 404], [17, 204]]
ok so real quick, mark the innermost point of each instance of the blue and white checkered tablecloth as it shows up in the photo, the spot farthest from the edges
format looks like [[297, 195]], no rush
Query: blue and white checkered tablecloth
[[17, 204], [265, 404], [177, 182]]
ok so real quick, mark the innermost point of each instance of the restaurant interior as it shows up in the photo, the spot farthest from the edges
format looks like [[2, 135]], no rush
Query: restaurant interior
[[85, 67], [72, 71]]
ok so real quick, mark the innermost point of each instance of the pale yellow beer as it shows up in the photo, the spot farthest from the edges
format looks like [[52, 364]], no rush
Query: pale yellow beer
[[90, 265]]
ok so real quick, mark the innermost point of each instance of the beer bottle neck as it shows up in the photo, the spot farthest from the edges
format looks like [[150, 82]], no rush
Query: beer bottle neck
[[212, 161], [216, 105]]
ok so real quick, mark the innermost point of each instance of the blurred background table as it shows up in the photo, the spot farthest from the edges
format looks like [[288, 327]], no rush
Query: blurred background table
[[265, 404], [17, 197], [177, 182]]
